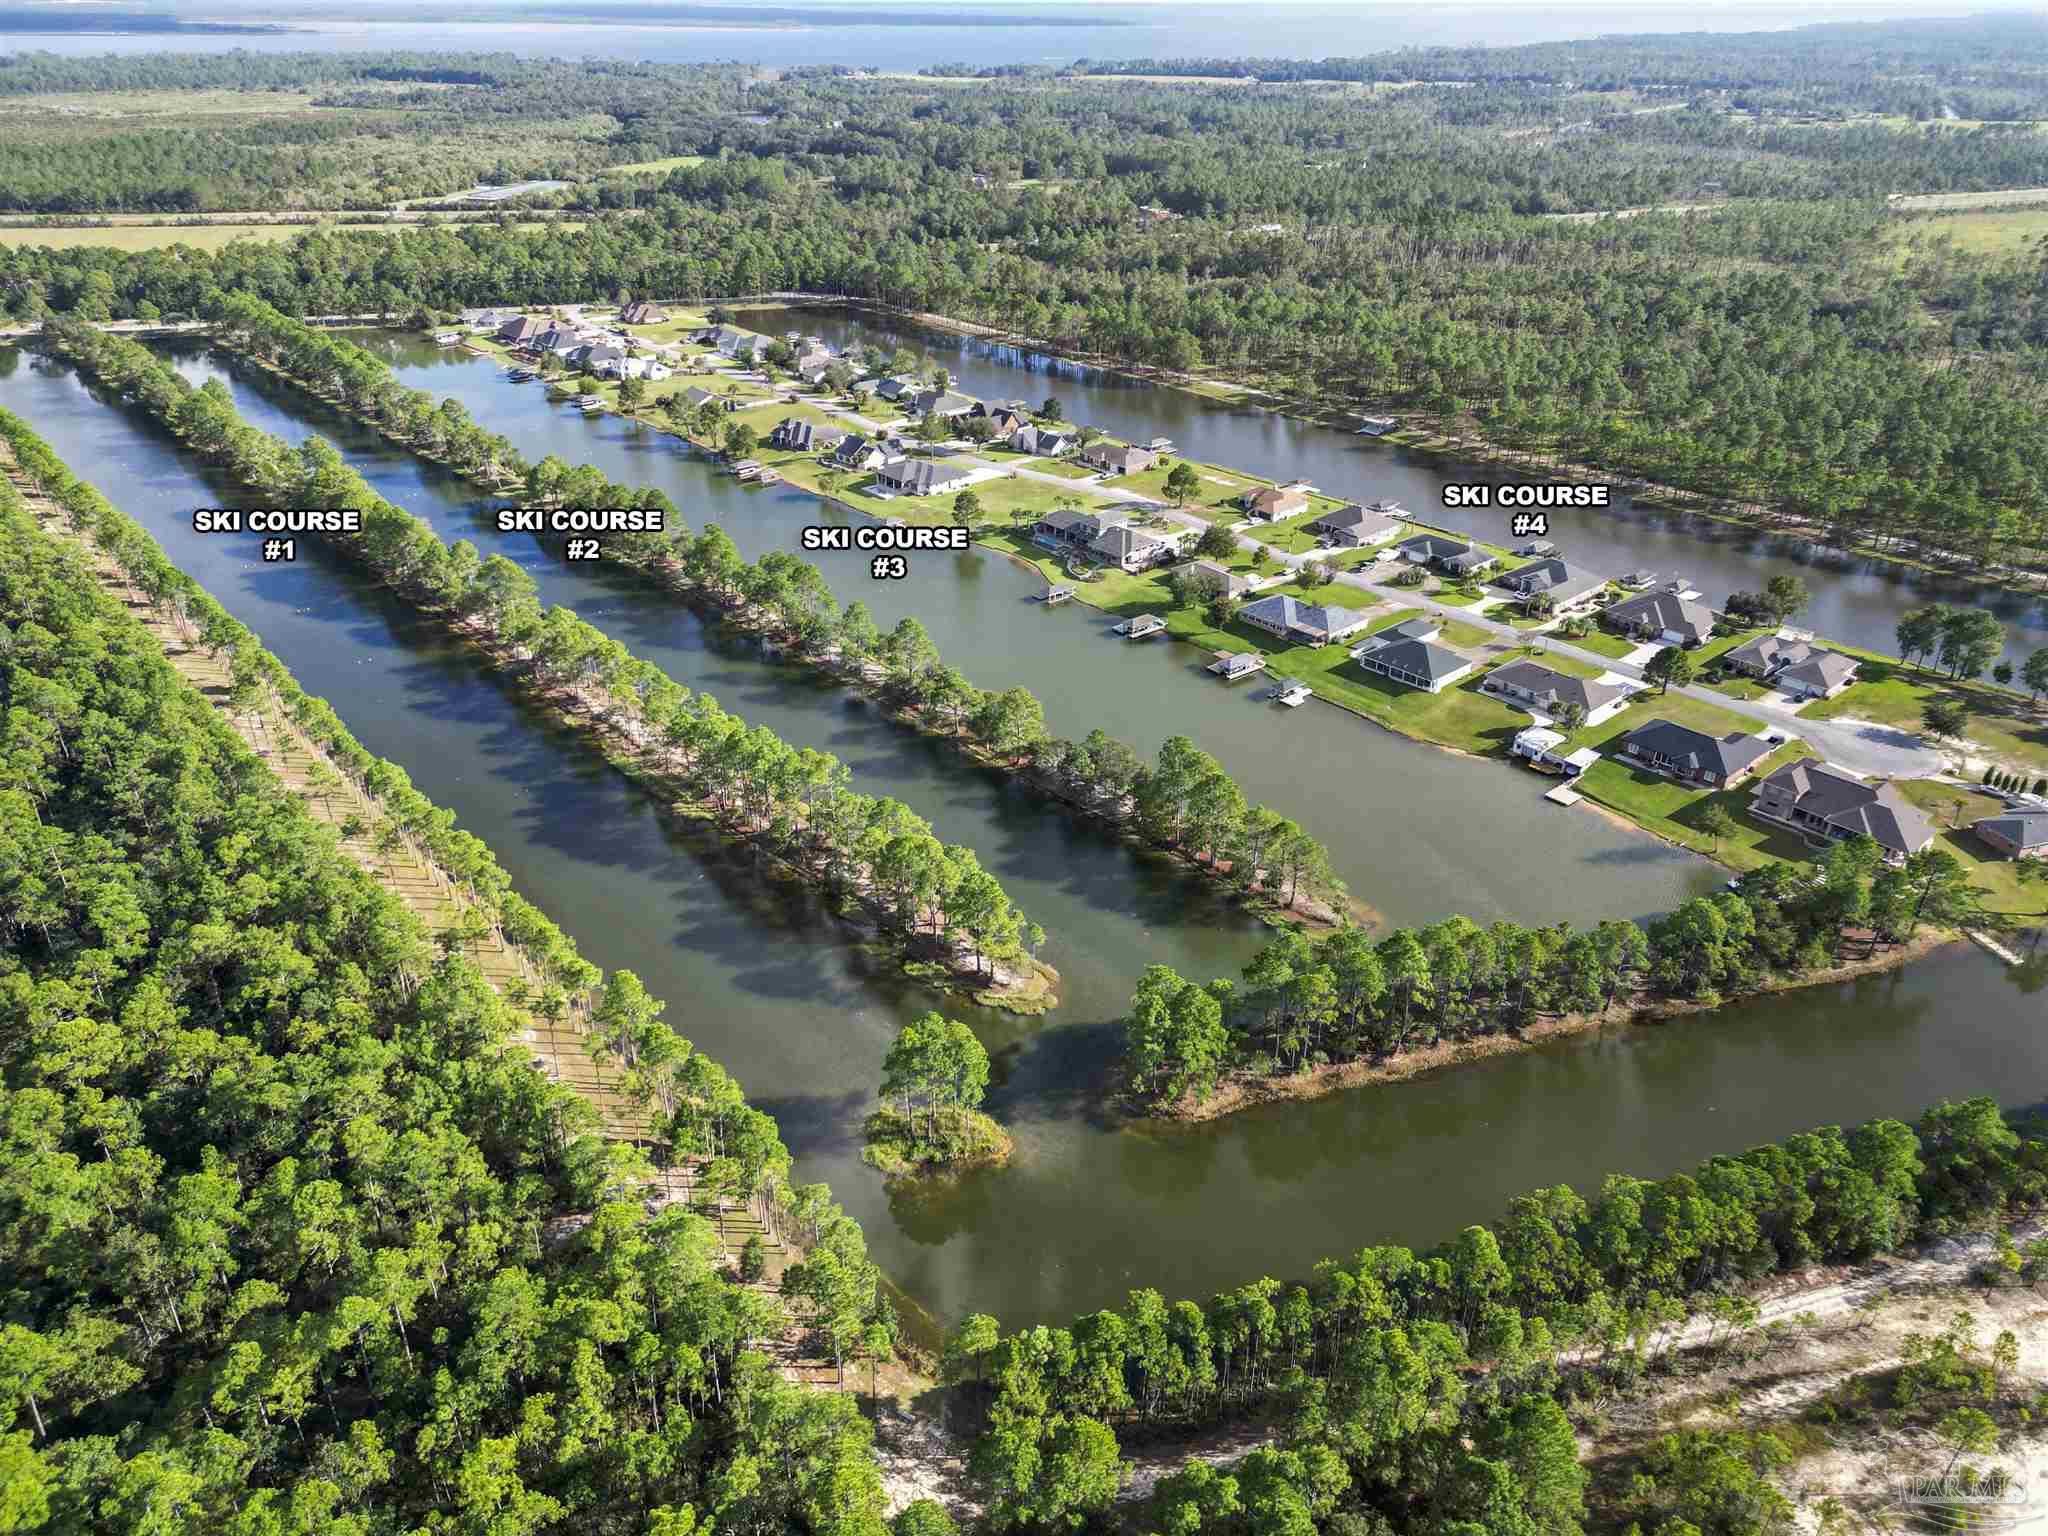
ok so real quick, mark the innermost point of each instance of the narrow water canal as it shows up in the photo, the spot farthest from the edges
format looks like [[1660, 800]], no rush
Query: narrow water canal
[[1086, 1210]]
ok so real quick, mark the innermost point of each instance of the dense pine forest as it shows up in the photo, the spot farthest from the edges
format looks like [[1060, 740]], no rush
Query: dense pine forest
[[293, 1236]]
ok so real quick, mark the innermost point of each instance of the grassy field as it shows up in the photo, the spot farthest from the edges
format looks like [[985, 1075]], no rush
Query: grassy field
[[2003, 724], [1952, 809], [1985, 232], [653, 167], [1673, 811], [207, 103]]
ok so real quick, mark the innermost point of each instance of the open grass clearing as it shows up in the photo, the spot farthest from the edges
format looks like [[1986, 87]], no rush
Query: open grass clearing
[[1981, 232], [1678, 812], [653, 167], [2004, 725], [1953, 808]]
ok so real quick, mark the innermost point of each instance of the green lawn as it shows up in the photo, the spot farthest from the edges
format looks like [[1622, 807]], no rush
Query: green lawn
[[2005, 724], [1952, 809], [1215, 495], [1673, 811], [1600, 643], [1066, 469], [1650, 705]]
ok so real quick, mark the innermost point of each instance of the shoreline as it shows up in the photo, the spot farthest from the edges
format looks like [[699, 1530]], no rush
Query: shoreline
[[1316, 918], [1463, 450], [917, 955], [1239, 1092]]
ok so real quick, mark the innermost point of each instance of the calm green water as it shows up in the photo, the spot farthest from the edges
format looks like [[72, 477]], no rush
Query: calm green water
[[755, 977]]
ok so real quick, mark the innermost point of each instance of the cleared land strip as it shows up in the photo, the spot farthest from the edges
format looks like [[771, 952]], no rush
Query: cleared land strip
[[367, 835], [391, 858]]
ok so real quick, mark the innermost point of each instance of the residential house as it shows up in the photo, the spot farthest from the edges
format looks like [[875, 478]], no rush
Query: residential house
[[1566, 586], [795, 435], [1018, 408], [1117, 458], [1276, 502], [1406, 653], [1045, 442], [1307, 623], [859, 453], [1691, 756], [2016, 834], [814, 376], [1355, 527], [1130, 548], [1234, 583], [1797, 666], [921, 477], [1545, 689], [898, 389], [942, 402], [1069, 530], [1537, 549], [812, 358], [729, 340], [643, 312], [519, 331], [696, 397], [1454, 557], [1827, 802], [1661, 615], [1004, 420], [606, 362]]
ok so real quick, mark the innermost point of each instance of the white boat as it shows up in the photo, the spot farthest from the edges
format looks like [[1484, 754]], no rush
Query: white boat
[[1375, 426]]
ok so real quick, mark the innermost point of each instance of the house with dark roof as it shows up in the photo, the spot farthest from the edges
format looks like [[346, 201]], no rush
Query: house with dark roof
[[1662, 615], [2016, 834], [696, 396], [1276, 502], [1405, 653], [921, 477], [643, 312], [1118, 458], [1546, 690], [1454, 557], [1690, 756], [795, 435], [1066, 529], [1565, 586], [1356, 527], [1045, 442], [729, 340], [519, 331], [898, 388], [1306, 623], [1004, 420], [1129, 548], [1828, 803], [1233, 583], [1797, 666], [942, 402], [858, 453]]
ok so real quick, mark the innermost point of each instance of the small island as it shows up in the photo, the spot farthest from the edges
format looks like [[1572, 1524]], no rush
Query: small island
[[930, 1121]]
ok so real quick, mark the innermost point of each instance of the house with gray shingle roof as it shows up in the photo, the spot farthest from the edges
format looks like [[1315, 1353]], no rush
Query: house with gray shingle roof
[[1566, 586], [1454, 557], [2016, 834], [1797, 666], [1825, 802], [1356, 527], [1405, 653], [1129, 548], [921, 477], [1535, 686], [942, 402], [1694, 757], [1661, 616], [858, 453], [1308, 623]]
